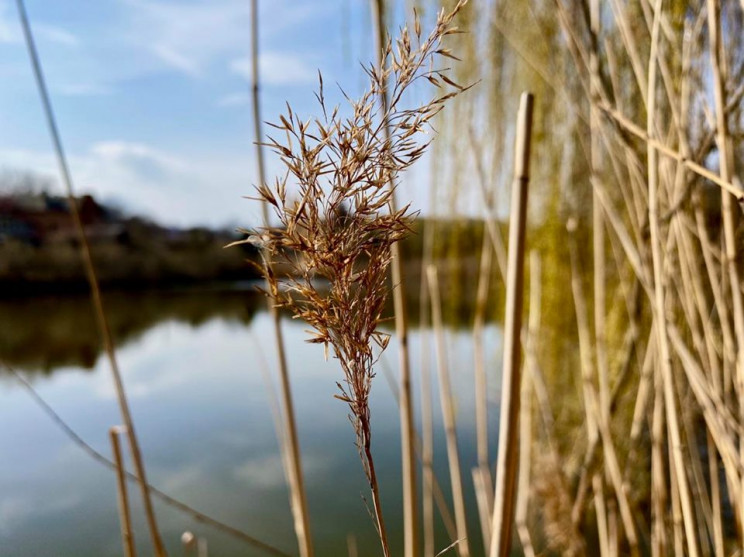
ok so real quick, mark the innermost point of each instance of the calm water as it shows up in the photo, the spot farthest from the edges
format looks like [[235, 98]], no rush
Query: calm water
[[191, 363]]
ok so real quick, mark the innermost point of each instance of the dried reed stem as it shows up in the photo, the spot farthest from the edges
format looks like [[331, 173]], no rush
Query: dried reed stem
[[660, 319], [729, 232], [492, 243], [289, 441], [92, 278], [448, 414], [508, 456], [407, 426], [482, 499], [598, 226], [427, 426], [589, 395], [127, 536], [525, 441]]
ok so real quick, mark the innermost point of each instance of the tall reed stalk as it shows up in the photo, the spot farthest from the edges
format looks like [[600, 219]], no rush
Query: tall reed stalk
[[289, 442], [448, 414], [90, 272], [508, 456], [127, 535], [407, 426], [729, 233]]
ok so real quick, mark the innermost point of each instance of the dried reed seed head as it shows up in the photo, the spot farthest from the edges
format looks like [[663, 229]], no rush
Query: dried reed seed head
[[341, 224]]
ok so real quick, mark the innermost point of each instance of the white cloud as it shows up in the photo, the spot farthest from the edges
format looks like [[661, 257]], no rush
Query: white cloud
[[84, 89], [134, 154], [10, 29], [189, 65], [277, 68], [189, 37], [268, 471], [234, 99], [9, 32], [55, 35], [152, 182]]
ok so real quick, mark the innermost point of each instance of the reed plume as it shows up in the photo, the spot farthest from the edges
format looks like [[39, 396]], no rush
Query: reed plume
[[339, 225]]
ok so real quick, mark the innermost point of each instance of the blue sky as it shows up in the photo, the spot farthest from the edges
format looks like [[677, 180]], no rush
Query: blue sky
[[152, 97]]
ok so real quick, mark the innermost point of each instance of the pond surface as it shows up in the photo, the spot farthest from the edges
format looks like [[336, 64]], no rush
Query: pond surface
[[192, 366]]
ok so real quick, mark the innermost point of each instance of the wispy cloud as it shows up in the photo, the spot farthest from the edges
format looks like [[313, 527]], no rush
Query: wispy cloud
[[187, 64], [145, 180], [8, 27], [267, 472], [84, 89], [56, 35], [234, 99], [140, 158], [277, 68], [189, 37], [10, 30]]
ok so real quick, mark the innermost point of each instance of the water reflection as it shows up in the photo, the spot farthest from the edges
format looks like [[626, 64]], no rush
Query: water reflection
[[191, 364], [45, 333]]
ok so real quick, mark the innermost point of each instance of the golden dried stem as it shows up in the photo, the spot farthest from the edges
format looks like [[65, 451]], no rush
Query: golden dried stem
[[508, 456], [448, 414], [730, 242], [289, 440], [407, 427], [659, 304], [92, 278], [127, 535]]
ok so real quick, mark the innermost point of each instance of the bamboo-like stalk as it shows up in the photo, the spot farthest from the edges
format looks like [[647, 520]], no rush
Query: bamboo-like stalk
[[427, 426], [525, 442], [719, 424], [600, 504], [481, 384], [92, 278], [492, 243], [612, 528], [659, 301], [715, 495], [127, 535], [600, 301], [729, 232], [658, 479], [482, 497], [664, 149], [588, 392], [289, 442], [448, 414], [698, 480], [677, 525], [508, 456], [598, 232], [407, 429]]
